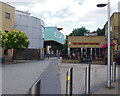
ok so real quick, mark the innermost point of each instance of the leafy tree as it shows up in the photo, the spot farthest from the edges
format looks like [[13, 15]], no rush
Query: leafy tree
[[75, 32], [100, 32], [15, 39], [79, 32], [0, 38]]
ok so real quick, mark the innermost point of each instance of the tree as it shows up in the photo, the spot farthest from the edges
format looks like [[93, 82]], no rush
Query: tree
[[100, 32], [79, 31], [0, 38], [15, 39]]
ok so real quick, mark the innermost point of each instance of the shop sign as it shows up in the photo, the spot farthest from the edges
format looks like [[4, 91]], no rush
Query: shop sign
[[75, 43]]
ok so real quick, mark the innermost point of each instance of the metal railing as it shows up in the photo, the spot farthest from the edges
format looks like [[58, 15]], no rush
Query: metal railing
[[35, 89]]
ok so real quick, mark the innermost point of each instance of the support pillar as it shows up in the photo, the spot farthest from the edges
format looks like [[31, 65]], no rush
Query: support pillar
[[99, 52], [86, 54], [96, 51], [81, 52], [68, 51], [91, 53]]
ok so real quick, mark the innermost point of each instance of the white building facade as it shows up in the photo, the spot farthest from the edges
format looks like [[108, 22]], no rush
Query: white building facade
[[33, 27]]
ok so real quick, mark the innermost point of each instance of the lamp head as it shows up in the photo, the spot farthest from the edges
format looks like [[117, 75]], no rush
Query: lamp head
[[101, 5]]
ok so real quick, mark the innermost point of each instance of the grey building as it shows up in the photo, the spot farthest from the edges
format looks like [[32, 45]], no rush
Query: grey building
[[34, 28]]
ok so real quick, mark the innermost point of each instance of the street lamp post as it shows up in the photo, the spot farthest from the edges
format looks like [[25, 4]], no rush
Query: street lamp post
[[69, 49], [109, 42]]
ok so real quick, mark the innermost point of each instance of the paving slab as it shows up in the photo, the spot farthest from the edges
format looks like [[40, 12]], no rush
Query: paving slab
[[98, 77], [50, 80], [18, 78]]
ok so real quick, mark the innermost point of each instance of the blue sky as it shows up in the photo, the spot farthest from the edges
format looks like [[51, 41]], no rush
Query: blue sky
[[68, 14]]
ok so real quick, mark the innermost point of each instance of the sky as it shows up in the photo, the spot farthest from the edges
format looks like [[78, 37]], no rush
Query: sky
[[67, 14]]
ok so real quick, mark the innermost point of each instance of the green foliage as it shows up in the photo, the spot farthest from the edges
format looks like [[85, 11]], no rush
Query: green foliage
[[15, 39], [100, 32], [79, 32], [1, 38], [75, 32]]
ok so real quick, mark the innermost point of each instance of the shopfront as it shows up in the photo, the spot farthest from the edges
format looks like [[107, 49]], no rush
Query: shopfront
[[89, 47]]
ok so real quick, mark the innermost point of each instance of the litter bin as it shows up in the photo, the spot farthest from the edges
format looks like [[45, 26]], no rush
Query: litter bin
[[3, 60]]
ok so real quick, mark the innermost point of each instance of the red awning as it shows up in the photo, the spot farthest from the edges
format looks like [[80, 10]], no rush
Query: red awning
[[106, 45]]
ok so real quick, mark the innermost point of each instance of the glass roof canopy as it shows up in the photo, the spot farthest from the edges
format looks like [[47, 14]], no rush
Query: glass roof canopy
[[53, 34]]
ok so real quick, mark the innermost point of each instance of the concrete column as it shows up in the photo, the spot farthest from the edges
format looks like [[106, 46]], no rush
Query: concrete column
[[99, 52], [86, 53], [69, 51], [91, 53], [95, 50], [81, 52]]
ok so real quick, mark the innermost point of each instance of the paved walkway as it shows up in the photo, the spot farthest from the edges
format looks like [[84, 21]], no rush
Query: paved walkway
[[98, 78], [18, 78], [115, 89], [0, 79], [115, 86], [50, 83]]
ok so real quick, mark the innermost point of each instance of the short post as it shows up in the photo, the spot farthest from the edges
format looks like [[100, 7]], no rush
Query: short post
[[114, 71], [87, 79], [35, 89], [69, 82]]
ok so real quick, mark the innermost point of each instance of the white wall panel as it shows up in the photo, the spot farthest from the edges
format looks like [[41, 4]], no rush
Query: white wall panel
[[30, 46], [30, 21], [34, 22], [30, 32], [38, 23], [32, 28], [24, 21]]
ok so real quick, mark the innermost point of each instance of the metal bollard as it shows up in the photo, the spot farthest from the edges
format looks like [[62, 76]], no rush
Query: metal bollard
[[87, 84], [35, 89], [69, 82], [114, 71]]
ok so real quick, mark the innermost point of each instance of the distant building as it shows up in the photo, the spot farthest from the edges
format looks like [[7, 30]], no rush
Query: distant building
[[115, 28], [7, 18], [34, 28], [90, 34], [53, 38], [93, 47]]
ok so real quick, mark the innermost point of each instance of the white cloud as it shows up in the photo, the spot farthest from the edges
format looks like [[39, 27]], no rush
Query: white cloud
[[69, 14]]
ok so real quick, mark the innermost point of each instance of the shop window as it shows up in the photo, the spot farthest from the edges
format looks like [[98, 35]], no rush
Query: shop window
[[7, 15], [5, 52]]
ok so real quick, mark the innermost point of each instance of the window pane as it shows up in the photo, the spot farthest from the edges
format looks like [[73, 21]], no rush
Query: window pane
[[7, 15]]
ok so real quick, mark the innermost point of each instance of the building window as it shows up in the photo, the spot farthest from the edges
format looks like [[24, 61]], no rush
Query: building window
[[7, 15], [6, 31], [5, 52]]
